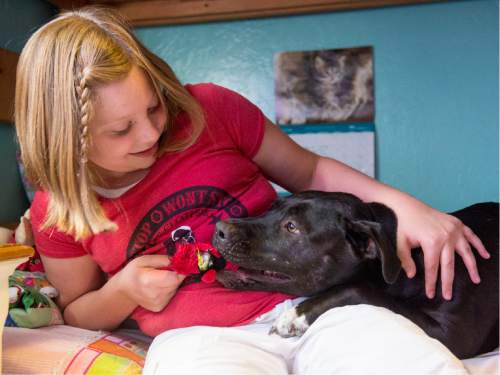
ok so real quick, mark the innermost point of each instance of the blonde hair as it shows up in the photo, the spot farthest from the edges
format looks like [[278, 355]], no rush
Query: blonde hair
[[58, 69]]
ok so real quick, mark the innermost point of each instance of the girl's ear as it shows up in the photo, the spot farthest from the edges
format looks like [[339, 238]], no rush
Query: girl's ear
[[368, 239]]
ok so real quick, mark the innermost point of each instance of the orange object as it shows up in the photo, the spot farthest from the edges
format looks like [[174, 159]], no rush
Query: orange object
[[107, 346], [13, 251]]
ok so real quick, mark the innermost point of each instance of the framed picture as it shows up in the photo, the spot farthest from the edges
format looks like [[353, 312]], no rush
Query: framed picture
[[324, 86]]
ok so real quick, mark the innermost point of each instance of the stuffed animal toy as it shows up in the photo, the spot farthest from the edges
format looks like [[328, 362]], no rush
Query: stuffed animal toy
[[31, 302], [23, 235], [188, 257], [31, 296]]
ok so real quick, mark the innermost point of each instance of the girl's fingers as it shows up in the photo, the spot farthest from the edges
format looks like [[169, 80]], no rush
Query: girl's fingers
[[476, 242], [165, 278], [465, 251], [152, 261], [404, 254], [431, 264], [447, 271]]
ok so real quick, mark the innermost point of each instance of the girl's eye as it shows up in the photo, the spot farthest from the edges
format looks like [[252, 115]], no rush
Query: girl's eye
[[123, 131], [290, 226], [153, 109]]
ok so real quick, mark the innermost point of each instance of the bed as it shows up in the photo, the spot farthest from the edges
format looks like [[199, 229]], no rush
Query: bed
[[56, 348], [62, 349]]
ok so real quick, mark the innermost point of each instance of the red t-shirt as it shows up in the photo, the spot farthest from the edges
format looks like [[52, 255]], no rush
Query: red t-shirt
[[212, 180]]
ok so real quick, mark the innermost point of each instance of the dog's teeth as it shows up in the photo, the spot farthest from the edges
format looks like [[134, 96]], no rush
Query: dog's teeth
[[275, 275]]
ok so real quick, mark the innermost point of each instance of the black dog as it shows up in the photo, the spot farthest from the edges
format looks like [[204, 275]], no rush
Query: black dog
[[341, 251]]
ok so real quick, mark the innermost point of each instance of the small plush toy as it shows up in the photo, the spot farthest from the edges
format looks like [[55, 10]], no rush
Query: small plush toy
[[31, 296], [24, 235], [188, 257], [31, 302]]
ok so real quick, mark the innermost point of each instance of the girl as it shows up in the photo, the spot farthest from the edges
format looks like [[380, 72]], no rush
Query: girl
[[122, 154]]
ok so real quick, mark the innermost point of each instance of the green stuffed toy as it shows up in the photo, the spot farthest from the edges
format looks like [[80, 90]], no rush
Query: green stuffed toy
[[31, 296], [30, 301]]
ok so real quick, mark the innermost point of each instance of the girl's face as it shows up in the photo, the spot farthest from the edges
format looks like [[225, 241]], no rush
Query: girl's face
[[128, 121]]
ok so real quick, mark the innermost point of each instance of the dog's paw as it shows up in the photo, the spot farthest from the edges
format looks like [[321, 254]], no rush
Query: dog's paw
[[289, 324]]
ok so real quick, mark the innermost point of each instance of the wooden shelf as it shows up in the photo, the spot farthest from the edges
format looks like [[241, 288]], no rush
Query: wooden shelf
[[8, 64], [14, 251], [164, 12]]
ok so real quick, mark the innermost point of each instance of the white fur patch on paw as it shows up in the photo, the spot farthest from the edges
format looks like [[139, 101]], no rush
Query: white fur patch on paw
[[290, 324]]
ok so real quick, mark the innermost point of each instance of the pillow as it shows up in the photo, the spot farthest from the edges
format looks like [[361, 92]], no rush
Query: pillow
[[65, 349], [375, 340], [487, 363]]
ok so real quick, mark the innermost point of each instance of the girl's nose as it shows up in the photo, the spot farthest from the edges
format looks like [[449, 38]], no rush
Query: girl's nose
[[149, 131]]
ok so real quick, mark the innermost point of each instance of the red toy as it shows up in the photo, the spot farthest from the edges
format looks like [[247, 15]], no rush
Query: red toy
[[192, 258]]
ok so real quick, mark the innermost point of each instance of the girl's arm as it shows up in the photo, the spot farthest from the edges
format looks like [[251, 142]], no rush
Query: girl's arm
[[439, 234], [89, 301]]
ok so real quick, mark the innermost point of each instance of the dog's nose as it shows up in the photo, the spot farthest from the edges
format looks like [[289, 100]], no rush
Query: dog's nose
[[222, 230]]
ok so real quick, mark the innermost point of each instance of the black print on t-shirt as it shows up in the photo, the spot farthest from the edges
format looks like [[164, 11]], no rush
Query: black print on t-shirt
[[207, 198]]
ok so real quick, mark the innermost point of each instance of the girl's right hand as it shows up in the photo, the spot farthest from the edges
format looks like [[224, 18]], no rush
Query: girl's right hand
[[143, 282]]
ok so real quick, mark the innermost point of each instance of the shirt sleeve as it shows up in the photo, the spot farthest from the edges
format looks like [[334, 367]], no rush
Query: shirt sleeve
[[239, 118], [51, 242]]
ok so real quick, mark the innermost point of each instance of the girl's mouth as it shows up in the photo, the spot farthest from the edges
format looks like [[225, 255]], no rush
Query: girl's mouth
[[148, 152]]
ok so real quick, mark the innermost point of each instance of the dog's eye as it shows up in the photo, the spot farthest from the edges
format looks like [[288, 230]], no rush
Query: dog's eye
[[291, 227]]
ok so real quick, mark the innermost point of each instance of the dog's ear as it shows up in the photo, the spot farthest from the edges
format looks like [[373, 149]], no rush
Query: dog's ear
[[369, 238]]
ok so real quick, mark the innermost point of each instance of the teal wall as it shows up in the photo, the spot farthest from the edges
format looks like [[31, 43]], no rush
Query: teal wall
[[18, 19], [436, 79], [436, 83]]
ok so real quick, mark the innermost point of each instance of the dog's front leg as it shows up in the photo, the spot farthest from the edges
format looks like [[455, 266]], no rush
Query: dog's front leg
[[295, 321]]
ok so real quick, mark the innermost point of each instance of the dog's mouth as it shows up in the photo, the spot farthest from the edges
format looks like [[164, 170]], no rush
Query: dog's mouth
[[261, 274], [248, 272], [247, 278]]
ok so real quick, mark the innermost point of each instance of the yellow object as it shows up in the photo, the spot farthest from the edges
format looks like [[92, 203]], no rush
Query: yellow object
[[13, 251]]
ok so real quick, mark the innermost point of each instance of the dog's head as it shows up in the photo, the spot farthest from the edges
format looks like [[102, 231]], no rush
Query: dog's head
[[309, 242]]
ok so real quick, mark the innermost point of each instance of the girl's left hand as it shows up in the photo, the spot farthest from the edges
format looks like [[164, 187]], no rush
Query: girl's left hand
[[439, 235]]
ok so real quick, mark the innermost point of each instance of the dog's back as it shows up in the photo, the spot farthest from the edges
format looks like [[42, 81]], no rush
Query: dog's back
[[483, 219], [474, 307]]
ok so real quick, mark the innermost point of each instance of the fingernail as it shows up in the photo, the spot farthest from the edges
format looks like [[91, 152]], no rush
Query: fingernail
[[410, 274], [447, 296], [430, 294], [477, 279]]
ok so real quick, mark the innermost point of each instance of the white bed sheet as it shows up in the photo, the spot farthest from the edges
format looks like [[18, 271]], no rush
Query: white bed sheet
[[484, 364], [41, 358]]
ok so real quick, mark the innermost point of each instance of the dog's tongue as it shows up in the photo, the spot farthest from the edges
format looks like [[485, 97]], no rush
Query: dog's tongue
[[210, 275], [231, 266]]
